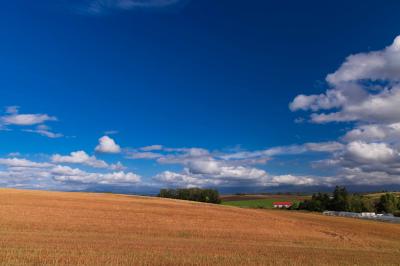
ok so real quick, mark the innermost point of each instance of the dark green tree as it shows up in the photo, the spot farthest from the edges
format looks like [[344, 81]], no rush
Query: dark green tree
[[368, 205], [193, 194], [388, 203], [356, 203], [340, 201]]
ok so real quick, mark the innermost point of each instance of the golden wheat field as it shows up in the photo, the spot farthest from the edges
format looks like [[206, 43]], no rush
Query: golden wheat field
[[55, 228]]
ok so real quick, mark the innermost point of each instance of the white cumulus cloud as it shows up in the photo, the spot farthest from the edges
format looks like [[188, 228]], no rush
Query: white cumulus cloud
[[371, 152], [107, 145], [20, 162], [13, 117], [79, 157], [68, 174], [365, 88]]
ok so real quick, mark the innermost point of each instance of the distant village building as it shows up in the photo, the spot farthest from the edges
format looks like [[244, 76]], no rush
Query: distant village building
[[282, 204]]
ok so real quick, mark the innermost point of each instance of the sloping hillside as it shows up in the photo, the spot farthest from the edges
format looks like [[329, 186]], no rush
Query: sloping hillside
[[96, 229]]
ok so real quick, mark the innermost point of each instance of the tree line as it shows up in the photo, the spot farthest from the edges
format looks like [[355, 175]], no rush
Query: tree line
[[342, 200], [193, 194]]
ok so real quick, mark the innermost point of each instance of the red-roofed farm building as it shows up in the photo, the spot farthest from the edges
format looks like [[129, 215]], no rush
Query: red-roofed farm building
[[282, 204]]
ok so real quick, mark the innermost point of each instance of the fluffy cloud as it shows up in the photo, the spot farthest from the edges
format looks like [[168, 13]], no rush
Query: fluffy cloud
[[202, 168], [117, 166], [68, 174], [181, 180], [107, 145], [17, 162], [26, 178], [20, 172], [371, 152], [207, 166], [296, 180], [331, 99], [222, 170], [14, 118], [378, 65], [237, 177], [365, 176], [365, 88], [26, 119], [364, 163], [183, 155], [376, 108], [80, 157], [374, 133]]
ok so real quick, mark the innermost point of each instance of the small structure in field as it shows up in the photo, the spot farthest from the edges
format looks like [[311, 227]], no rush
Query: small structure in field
[[388, 217], [282, 204], [368, 214]]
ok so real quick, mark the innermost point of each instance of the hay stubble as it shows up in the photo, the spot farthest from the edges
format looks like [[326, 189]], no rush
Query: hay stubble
[[57, 228]]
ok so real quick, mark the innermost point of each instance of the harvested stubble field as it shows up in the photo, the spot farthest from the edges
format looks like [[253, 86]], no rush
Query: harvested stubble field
[[54, 228]]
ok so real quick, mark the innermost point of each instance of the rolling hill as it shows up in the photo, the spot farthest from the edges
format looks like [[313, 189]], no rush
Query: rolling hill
[[65, 228]]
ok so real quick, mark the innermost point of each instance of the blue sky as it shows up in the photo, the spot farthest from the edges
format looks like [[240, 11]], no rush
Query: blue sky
[[198, 93]]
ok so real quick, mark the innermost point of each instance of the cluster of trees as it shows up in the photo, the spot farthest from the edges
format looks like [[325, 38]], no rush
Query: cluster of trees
[[389, 203], [193, 194], [341, 200]]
